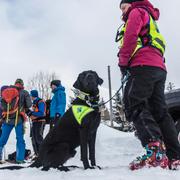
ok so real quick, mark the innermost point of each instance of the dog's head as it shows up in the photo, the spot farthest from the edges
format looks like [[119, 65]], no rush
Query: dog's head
[[88, 82]]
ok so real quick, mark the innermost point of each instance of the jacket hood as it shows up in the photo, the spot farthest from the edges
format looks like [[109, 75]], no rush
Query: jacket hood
[[154, 12], [59, 88]]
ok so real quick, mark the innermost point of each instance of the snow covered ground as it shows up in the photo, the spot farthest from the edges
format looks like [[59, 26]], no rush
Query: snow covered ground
[[113, 153]]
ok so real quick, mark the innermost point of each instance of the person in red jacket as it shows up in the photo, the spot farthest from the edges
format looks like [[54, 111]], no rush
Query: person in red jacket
[[141, 54]]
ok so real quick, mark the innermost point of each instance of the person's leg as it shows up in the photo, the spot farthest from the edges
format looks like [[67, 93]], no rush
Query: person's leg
[[138, 90], [51, 124], [33, 138], [20, 146], [56, 120], [6, 130], [164, 119], [38, 134]]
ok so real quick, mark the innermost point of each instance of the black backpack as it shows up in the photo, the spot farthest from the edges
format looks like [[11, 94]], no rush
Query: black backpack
[[48, 104]]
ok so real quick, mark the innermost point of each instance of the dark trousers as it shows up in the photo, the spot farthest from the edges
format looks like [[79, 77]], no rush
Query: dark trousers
[[145, 106], [37, 135]]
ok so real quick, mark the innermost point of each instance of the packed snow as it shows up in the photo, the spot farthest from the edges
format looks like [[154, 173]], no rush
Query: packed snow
[[114, 151]]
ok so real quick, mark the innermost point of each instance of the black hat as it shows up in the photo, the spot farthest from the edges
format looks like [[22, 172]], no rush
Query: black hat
[[129, 1], [19, 81], [56, 82]]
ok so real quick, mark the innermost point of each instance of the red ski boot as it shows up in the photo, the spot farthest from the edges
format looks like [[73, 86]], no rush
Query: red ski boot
[[155, 156], [174, 164]]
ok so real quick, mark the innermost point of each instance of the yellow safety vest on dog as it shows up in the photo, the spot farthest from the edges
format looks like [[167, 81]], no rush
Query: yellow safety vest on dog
[[80, 111], [155, 39]]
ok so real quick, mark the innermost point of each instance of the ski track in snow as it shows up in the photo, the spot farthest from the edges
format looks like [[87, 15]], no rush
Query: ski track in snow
[[114, 151]]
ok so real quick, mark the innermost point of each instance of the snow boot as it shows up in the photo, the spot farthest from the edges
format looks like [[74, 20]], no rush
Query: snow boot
[[174, 164], [155, 157]]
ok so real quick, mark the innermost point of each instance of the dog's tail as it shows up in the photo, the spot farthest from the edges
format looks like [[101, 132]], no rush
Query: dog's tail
[[12, 167]]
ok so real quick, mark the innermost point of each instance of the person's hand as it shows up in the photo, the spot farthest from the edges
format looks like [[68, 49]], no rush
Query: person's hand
[[57, 115], [29, 112], [33, 117], [123, 70]]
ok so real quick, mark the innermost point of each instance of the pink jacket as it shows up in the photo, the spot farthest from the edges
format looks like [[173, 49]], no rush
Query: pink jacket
[[138, 17]]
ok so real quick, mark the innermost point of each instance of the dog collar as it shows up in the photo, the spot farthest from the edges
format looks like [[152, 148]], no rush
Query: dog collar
[[90, 100]]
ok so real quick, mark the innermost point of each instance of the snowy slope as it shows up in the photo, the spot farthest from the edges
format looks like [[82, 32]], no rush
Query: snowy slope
[[114, 151]]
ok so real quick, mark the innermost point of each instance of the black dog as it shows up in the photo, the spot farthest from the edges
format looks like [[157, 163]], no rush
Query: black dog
[[77, 127]]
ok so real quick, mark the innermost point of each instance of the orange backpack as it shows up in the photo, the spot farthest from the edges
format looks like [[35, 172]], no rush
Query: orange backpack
[[10, 102]]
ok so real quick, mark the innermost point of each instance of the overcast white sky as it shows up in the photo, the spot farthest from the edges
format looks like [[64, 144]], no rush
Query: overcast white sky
[[69, 36]]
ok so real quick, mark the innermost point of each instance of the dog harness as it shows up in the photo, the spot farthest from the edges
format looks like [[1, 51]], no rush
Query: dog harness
[[80, 111]]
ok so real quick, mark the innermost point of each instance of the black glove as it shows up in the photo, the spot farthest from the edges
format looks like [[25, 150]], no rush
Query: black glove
[[57, 115], [29, 112], [118, 54], [123, 70]]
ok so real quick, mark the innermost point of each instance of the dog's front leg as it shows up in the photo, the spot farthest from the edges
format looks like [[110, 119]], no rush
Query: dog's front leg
[[92, 141], [84, 148]]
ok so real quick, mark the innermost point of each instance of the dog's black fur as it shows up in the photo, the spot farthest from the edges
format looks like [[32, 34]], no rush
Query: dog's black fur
[[60, 143]]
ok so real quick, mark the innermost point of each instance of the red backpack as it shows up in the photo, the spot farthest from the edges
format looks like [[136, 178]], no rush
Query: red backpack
[[10, 102]]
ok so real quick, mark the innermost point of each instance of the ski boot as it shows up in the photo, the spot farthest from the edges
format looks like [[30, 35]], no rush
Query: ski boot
[[155, 156], [174, 164]]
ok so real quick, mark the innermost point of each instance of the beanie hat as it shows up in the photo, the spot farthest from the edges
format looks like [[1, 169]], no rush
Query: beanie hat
[[56, 82], [19, 81], [129, 1], [34, 93]]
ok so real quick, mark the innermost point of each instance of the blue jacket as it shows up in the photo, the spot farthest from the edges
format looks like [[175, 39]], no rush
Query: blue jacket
[[41, 108], [58, 103]]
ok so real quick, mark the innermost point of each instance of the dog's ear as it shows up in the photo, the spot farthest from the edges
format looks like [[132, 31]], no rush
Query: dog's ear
[[78, 84], [99, 80]]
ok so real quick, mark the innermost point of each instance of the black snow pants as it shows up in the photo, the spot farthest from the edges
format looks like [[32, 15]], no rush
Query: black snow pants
[[145, 105], [37, 135]]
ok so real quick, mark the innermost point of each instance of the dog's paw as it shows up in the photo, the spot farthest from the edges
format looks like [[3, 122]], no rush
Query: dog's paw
[[93, 167], [63, 168], [45, 168], [97, 167]]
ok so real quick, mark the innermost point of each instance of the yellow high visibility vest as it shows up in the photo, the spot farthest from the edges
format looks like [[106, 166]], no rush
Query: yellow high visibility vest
[[155, 39], [80, 111]]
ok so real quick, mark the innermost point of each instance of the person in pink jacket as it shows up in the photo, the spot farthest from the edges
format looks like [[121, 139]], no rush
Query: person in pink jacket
[[141, 54]]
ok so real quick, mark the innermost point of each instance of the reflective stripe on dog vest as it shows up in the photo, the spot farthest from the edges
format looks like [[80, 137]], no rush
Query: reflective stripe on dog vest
[[80, 112], [155, 39]]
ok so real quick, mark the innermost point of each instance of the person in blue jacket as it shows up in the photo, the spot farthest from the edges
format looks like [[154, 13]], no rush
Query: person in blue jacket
[[37, 116], [58, 102]]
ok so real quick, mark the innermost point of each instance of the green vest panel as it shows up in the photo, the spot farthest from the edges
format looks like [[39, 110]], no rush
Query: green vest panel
[[80, 112]]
